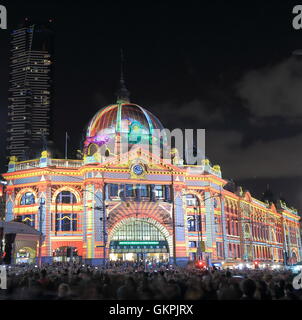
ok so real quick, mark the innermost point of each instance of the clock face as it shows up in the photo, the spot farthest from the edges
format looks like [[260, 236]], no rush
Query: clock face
[[138, 169]]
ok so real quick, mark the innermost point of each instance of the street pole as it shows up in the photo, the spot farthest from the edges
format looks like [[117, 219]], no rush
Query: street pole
[[41, 234], [173, 218], [222, 224], [199, 234], [104, 226], [40, 251], [103, 219]]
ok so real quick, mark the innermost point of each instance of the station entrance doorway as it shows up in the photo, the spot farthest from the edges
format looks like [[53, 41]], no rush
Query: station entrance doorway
[[139, 240]]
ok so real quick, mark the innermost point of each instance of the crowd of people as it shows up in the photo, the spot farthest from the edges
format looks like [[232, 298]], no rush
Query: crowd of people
[[129, 281]]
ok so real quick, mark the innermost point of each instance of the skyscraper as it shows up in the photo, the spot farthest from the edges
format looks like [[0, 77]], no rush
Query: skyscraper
[[30, 89]]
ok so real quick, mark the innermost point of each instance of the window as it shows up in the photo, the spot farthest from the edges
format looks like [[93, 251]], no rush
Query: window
[[66, 197], [27, 199], [228, 225], [159, 191], [66, 222], [238, 251], [113, 190], [28, 219], [215, 203], [92, 149], [198, 223], [191, 223], [191, 200], [234, 251], [129, 190], [219, 249], [138, 230], [144, 190], [192, 255], [192, 244]]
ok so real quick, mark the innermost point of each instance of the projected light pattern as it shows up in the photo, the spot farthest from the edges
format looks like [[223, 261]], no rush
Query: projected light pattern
[[98, 139], [131, 122]]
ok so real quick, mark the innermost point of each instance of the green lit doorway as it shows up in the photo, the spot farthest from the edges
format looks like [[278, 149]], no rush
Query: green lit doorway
[[139, 240]]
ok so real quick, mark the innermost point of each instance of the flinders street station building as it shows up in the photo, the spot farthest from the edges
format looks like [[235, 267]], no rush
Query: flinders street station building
[[117, 204]]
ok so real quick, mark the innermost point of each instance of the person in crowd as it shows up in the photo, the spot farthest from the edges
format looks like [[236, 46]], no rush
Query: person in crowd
[[126, 280], [248, 288], [63, 292]]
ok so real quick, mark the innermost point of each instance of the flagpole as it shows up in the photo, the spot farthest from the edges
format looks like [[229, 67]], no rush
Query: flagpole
[[66, 145]]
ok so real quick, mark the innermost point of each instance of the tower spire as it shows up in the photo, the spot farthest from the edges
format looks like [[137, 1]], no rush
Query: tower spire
[[122, 65], [122, 94]]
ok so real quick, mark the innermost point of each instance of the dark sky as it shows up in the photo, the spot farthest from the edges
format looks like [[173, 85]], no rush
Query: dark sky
[[226, 66]]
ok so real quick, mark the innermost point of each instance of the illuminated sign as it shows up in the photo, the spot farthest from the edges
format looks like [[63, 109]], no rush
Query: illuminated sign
[[136, 243], [138, 246]]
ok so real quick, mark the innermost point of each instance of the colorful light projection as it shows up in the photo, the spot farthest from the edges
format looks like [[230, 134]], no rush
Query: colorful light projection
[[132, 123], [99, 140]]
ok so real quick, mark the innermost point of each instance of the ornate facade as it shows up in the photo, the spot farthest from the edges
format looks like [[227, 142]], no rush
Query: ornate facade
[[117, 204]]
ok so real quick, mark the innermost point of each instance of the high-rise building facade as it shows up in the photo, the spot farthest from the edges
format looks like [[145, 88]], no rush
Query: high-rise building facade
[[30, 89]]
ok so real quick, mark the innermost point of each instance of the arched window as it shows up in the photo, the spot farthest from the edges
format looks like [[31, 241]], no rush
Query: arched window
[[294, 257], [92, 149], [66, 197], [27, 199]]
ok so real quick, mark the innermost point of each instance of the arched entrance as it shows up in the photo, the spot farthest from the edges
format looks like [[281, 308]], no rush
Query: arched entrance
[[294, 259], [66, 254], [139, 240]]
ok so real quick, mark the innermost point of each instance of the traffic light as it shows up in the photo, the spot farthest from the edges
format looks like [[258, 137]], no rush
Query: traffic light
[[200, 264]]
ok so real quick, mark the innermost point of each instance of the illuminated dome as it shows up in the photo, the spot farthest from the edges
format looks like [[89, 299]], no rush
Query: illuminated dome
[[130, 122]]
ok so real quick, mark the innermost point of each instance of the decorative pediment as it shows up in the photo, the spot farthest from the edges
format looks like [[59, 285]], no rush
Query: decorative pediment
[[273, 207], [140, 155], [247, 196]]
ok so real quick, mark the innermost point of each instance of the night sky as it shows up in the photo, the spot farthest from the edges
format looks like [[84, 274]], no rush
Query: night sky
[[226, 66]]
